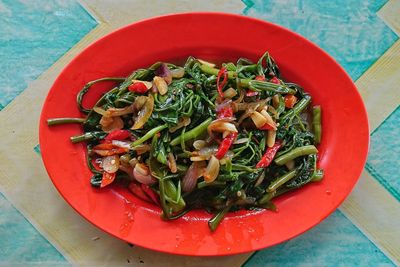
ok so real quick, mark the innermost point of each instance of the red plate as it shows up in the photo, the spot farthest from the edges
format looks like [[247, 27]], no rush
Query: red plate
[[215, 37]]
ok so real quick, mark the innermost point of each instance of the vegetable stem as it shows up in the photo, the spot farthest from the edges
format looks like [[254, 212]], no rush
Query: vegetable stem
[[87, 136], [149, 135], [281, 181], [59, 121], [198, 130], [215, 221], [316, 122], [295, 153]]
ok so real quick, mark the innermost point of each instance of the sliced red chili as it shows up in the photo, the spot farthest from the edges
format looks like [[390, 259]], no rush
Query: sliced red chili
[[266, 127], [118, 135], [275, 80], [107, 179], [108, 149], [251, 93], [260, 78], [225, 112], [290, 101], [223, 73], [150, 193], [269, 155], [138, 87], [225, 145], [137, 190], [96, 163]]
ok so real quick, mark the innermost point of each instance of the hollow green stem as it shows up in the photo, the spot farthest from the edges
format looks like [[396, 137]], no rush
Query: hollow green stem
[[149, 135], [87, 137], [59, 121], [281, 180], [198, 130], [216, 220], [295, 153], [316, 123]]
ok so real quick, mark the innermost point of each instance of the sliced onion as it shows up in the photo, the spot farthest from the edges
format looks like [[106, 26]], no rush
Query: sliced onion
[[178, 73], [241, 141], [275, 101], [199, 144], [212, 170], [245, 115], [208, 151], [221, 126], [144, 114], [111, 163], [251, 105], [123, 144], [270, 121], [271, 136], [230, 92], [172, 162], [124, 159], [113, 112], [142, 174], [140, 149], [194, 172], [100, 111], [160, 84], [199, 158], [212, 65], [133, 162], [182, 122], [164, 72], [116, 124], [258, 119], [240, 98], [139, 102]]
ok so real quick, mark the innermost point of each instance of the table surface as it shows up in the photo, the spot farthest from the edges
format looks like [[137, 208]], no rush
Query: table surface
[[37, 38]]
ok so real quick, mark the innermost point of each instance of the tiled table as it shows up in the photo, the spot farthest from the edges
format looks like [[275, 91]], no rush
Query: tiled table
[[37, 38]]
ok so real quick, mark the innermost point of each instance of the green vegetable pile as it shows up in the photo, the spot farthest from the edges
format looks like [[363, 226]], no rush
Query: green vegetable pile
[[202, 137]]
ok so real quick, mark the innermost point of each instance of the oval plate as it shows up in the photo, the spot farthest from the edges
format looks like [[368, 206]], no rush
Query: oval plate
[[342, 154]]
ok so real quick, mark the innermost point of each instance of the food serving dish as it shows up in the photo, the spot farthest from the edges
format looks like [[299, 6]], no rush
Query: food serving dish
[[172, 38]]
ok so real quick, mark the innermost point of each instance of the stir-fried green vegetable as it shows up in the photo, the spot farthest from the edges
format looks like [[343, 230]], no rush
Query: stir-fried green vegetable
[[200, 136]]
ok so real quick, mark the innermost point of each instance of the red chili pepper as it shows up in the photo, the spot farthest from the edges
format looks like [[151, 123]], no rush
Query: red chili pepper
[[107, 179], [150, 193], [137, 190], [266, 127], [138, 87], [251, 93], [108, 149], [225, 112], [118, 135], [269, 155], [290, 100], [96, 164], [275, 80], [260, 78], [225, 145], [221, 84]]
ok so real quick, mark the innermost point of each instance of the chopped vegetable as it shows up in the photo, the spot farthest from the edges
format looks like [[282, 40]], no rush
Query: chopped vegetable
[[222, 138]]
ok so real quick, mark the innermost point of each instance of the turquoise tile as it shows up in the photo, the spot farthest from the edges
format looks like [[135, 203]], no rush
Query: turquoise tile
[[384, 155], [37, 149], [334, 242], [350, 31], [21, 243], [33, 35]]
